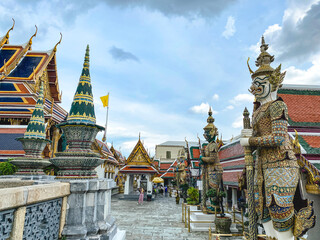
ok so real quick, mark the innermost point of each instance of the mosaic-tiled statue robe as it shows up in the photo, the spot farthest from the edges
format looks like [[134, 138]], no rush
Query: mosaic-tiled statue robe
[[212, 165], [276, 168]]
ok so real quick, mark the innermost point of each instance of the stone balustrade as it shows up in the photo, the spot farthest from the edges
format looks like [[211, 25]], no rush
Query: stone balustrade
[[42, 207], [32, 209]]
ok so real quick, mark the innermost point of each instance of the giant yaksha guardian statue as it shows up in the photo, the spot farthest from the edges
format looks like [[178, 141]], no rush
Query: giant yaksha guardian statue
[[278, 204], [211, 167], [181, 174]]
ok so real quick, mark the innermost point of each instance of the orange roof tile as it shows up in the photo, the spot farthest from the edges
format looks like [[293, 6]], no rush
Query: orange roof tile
[[231, 151], [195, 153], [313, 141], [12, 152], [13, 130], [302, 108], [233, 163], [231, 176]]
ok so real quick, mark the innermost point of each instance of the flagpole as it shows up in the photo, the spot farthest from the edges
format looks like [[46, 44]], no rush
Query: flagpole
[[105, 130]]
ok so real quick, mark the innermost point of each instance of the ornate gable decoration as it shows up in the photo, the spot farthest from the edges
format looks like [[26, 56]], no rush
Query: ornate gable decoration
[[139, 155]]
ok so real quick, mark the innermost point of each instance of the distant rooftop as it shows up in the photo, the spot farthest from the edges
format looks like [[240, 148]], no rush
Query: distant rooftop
[[180, 143], [301, 87]]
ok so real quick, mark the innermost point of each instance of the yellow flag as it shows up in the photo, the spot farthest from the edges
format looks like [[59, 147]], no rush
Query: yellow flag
[[105, 100]]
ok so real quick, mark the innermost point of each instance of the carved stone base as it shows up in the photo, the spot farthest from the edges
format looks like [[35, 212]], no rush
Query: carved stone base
[[76, 165], [30, 166]]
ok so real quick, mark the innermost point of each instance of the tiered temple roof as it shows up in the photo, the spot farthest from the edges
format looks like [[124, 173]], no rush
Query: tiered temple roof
[[105, 152], [21, 71], [139, 161]]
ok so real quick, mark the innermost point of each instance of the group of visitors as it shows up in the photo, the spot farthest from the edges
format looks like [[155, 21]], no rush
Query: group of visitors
[[160, 190]]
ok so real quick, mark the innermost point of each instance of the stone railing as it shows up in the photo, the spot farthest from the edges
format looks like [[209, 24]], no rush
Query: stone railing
[[32, 209]]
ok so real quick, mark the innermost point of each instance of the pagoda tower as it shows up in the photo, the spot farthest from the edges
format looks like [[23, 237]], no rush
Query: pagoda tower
[[80, 130], [34, 141]]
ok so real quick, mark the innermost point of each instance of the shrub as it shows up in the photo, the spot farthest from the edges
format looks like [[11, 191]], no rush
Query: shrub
[[7, 168], [193, 196]]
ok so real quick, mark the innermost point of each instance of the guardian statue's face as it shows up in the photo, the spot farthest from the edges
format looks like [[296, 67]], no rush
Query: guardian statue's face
[[260, 87], [209, 135]]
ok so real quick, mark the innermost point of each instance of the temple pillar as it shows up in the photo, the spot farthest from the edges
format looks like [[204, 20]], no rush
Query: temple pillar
[[149, 184], [127, 185], [138, 181], [234, 197]]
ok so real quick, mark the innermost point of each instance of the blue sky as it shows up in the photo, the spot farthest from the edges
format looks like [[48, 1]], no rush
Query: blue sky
[[164, 62]]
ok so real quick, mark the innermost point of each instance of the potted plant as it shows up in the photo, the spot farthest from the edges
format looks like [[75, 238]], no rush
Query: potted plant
[[212, 195], [223, 222], [193, 196], [184, 188]]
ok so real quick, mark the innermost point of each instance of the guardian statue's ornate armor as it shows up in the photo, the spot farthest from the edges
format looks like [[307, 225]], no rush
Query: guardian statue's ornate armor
[[276, 173]]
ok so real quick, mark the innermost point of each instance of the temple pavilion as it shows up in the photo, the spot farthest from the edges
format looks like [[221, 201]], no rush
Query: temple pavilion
[[140, 168]]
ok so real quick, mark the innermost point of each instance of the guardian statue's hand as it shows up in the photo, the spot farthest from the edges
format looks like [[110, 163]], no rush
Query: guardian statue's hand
[[245, 135]]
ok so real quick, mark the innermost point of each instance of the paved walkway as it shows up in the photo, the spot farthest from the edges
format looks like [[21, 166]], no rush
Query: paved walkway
[[156, 220]]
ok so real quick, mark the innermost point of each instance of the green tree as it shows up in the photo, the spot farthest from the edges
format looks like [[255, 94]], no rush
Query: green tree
[[7, 168]]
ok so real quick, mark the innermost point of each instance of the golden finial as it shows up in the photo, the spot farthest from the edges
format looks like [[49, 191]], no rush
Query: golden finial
[[34, 75], [7, 35], [4, 67], [296, 144], [35, 34], [250, 70], [55, 47], [198, 138]]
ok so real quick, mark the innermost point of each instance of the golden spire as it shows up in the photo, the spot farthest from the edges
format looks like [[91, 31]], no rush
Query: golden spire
[[55, 47], [263, 61], [30, 40], [5, 39]]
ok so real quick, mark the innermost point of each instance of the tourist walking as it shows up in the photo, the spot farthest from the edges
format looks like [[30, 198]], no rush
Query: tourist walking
[[141, 196]]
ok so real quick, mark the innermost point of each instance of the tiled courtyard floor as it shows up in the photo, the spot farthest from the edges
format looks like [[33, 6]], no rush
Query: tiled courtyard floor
[[156, 220]]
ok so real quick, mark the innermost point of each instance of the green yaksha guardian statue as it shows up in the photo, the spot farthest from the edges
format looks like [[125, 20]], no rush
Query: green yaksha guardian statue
[[277, 197], [211, 167]]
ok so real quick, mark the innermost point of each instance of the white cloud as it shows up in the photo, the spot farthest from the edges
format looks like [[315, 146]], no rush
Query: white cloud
[[308, 76], [297, 38], [242, 98], [203, 108], [215, 97], [238, 123], [230, 28], [230, 107]]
